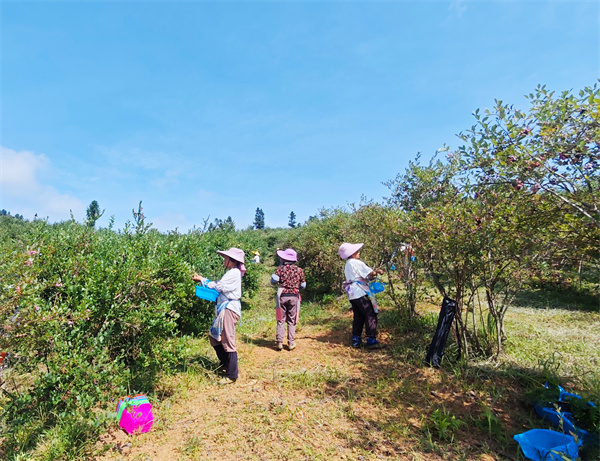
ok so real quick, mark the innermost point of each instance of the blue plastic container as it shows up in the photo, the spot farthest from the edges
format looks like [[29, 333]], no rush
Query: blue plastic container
[[376, 287], [547, 445], [564, 418], [206, 293]]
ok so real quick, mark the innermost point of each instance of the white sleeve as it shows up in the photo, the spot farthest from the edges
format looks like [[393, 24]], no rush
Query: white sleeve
[[359, 269], [230, 281], [364, 270]]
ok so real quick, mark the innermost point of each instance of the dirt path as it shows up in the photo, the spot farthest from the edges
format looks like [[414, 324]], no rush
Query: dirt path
[[322, 401]]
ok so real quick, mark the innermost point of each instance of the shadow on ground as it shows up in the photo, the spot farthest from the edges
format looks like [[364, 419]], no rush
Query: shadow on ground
[[569, 299], [457, 412]]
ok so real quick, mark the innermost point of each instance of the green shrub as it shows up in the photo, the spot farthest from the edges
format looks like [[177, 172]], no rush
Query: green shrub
[[91, 315]]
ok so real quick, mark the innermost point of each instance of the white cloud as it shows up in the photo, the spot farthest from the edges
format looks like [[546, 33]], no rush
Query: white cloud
[[18, 169], [23, 192]]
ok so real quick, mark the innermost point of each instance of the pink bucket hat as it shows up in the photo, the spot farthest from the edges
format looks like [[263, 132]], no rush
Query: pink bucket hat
[[288, 255], [348, 249], [237, 255]]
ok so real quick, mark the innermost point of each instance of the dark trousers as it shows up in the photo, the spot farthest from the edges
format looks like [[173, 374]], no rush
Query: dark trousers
[[438, 342], [229, 361], [364, 315]]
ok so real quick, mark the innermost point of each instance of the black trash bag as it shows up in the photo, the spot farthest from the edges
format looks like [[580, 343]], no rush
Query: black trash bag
[[438, 343]]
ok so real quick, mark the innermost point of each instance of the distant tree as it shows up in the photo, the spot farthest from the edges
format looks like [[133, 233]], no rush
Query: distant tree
[[18, 216], [292, 222], [259, 219], [93, 214], [219, 224]]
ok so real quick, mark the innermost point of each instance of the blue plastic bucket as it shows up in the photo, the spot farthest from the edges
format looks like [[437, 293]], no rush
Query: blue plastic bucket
[[206, 293], [547, 445], [376, 287]]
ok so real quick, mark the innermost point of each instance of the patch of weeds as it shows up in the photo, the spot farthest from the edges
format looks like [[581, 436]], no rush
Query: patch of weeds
[[460, 369], [407, 386], [549, 367], [277, 406], [313, 378], [396, 429], [192, 444], [428, 442], [348, 411], [69, 440], [351, 395], [443, 425], [382, 385], [140, 457], [542, 396], [489, 423], [328, 299]]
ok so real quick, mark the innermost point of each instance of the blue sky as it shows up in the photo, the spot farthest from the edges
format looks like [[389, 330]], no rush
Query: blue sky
[[212, 109]]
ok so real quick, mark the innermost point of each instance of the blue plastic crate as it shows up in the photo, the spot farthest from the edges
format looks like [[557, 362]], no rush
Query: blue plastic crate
[[206, 293], [547, 445]]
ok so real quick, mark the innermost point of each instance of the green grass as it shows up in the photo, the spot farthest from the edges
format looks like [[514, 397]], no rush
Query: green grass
[[396, 400], [556, 343], [587, 300]]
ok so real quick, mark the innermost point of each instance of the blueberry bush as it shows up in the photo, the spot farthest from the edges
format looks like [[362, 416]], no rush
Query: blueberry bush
[[90, 315]]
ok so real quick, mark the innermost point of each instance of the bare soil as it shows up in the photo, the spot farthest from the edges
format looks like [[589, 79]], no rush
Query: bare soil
[[322, 401]]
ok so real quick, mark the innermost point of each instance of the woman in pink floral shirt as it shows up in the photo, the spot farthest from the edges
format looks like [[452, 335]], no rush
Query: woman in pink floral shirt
[[291, 280]]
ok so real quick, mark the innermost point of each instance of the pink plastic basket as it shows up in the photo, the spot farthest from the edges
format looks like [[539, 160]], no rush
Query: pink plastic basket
[[135, 414]]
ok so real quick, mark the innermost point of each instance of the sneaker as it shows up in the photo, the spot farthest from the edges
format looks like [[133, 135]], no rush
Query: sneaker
[[372, 343], [356, 342], [279, 347], [225, 381], [292, 346]]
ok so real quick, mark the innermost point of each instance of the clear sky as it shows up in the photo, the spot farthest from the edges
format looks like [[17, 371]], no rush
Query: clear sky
[[212, 109]]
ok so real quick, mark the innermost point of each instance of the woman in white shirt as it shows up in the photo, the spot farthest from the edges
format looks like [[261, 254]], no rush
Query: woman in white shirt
[[228, 311], [365, 313]]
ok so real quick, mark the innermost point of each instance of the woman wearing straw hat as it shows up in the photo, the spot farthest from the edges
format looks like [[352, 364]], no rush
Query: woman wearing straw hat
[[228, 311], [291, 280], [364, 306]]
